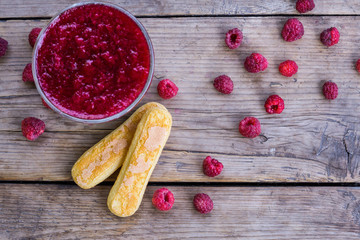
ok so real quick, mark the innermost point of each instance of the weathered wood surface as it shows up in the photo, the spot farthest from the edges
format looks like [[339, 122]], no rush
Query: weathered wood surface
[[312, 140], [46, 8], [68, 212]]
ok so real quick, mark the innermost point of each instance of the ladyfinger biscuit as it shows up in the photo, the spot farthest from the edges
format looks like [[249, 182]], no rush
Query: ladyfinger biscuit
[[106, 156], [149, 139]]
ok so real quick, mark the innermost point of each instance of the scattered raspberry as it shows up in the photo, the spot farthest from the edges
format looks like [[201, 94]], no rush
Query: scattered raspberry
[[330, 37], [250, 127], [330, 90], [212, 167], [3, 46], [27, 75], [303, 6], [45, 104], [358, 65], [32, 128], [33, 36], [224, 84], [256, 63], [234, 38], [203, 203], [292, 30], [288, 68], [163, 199], [274, 104], [167, 89]]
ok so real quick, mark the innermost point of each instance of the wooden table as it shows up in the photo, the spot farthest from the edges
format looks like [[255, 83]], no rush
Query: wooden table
[[298, 180]]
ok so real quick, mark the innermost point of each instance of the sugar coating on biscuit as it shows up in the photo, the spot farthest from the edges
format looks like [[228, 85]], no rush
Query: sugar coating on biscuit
[[157, 135]]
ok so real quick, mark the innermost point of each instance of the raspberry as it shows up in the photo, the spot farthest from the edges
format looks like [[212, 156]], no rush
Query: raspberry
[[203, 203], [163, 199], [358, 65], [303, 6], [292, 30], [330, 90], [167, 89], [27, 75], [212, 167], [32, 128], [45, 104], [33, 36], [224, 84], [255, 63], [288, 68], [250, 127], [3, 46], [330, 37], [274, 104], [234, 38]]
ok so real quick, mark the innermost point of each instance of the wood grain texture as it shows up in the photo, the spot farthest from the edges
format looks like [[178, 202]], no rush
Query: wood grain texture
[[312, 140], [68, 212], [46, 8]]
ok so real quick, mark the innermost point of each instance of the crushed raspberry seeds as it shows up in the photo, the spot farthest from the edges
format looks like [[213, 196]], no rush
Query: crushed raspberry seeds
[[274, 104], [33, 36], [330, 37], [203, 203], [303, 6], [212, 167], [224, 84], [27, 75], [163, 199], [255, 63], [167, 89], [288, 68], [234, 38], [32, 128], [292, 30], [330, 90], [3, 47], [250, 127]]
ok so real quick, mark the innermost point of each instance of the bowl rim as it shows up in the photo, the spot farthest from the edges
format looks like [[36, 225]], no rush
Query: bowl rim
[[128, 108]]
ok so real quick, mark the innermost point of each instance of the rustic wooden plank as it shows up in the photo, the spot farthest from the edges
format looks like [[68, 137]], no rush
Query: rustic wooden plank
[[313, 140], [68, 212], [43, 8]]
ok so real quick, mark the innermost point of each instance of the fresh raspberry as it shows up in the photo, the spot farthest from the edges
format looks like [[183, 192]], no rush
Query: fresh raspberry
[[33, 36], [163, 199], [167, 89], [304, 6], [274, 104], [255, 63], [288, 68], [3, 46], [212, 167], [224, 84], [203, 203], [45, 104], [27, 75], [330, 37], [358, 65], [250, 127], [32, 128], [330, 90], [234, 38], [292, 30]]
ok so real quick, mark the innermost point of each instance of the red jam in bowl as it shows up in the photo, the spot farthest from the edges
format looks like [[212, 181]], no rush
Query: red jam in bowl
[[93, 61]]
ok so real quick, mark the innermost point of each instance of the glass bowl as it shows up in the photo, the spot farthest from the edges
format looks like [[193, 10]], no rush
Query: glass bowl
[[112, 117]]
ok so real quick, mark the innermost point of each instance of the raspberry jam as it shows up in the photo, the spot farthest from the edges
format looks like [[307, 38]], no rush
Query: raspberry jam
[[93, 61]]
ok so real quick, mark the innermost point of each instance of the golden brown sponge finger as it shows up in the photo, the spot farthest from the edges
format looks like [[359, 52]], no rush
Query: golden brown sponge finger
[[106, 156], [149, 140]]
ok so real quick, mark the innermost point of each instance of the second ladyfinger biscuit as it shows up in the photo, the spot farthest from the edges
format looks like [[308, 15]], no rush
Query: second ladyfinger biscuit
[[105, 157], [149, 139]]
